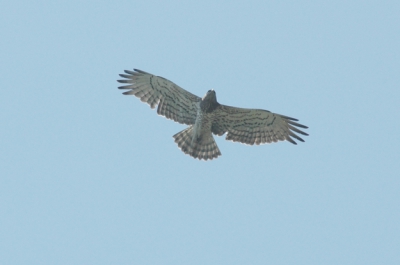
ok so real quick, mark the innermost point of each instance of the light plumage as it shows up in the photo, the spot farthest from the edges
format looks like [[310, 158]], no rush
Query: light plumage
[[206, 116]]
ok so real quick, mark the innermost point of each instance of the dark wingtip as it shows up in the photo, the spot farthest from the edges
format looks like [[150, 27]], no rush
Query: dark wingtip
[[125, 76], [140, 71], [129, 72], [124, 87], [128, 92], [297, 124], [289, 118], [290, 140]]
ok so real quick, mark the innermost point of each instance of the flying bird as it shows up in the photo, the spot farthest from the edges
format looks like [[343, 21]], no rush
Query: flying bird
[[205, 116]]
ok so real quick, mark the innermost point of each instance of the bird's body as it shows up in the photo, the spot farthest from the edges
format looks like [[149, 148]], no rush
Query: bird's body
[[205, 116], [197, 141]]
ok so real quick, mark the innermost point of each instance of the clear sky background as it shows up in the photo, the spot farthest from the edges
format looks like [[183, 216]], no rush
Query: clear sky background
[[89, 176]]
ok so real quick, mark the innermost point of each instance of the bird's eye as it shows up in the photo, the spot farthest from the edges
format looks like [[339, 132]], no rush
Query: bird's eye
[[209, 91]]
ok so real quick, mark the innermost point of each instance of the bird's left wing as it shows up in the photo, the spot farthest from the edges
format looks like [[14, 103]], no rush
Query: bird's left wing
[[173, 102], [255, 126]]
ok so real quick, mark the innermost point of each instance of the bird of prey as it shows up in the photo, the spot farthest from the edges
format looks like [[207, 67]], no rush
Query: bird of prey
[[205, 116]]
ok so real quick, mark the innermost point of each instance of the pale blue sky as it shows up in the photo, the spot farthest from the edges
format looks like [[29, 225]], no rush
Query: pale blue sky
[[89, 176]]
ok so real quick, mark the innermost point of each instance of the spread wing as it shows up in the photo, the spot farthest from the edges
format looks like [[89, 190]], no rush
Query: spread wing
[[255, 126], [173, 102]]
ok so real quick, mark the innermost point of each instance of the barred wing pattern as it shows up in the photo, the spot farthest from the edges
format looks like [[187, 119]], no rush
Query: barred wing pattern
[[173, 102], [255, 126]]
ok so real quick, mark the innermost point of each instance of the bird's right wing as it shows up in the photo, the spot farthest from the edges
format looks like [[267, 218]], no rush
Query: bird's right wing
[[255, 126], [173, 102]]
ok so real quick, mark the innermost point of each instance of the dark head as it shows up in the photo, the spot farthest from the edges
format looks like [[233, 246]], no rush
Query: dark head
[[209, 102], [210, 96]]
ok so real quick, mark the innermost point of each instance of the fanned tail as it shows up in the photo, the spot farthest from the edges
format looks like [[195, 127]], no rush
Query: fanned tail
[[204, 148]]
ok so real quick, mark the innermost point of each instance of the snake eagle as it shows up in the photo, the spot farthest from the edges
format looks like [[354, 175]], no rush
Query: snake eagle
[[205, 116]]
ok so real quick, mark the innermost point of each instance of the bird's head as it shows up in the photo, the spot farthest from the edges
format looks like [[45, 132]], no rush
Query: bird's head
[[210, 96], [209, 102]]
